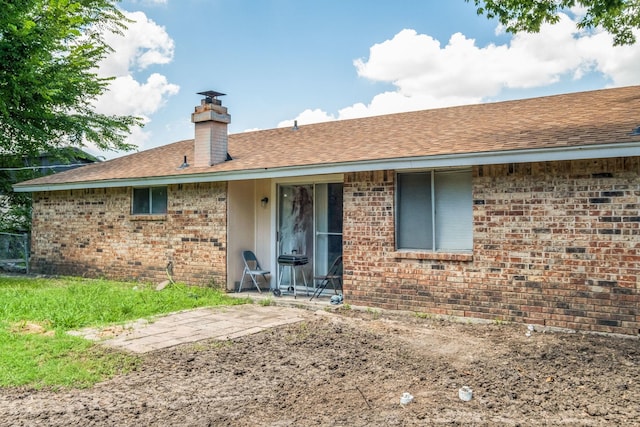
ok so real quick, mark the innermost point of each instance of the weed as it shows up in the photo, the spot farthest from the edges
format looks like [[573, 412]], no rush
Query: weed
[[212, 283], [303, 331], [375, 314], [421, 315], [266, 302]]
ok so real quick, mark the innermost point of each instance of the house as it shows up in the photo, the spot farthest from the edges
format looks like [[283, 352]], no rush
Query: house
[[524, 211]]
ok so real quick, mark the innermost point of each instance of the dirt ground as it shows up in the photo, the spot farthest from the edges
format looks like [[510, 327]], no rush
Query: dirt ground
[[351, 369]]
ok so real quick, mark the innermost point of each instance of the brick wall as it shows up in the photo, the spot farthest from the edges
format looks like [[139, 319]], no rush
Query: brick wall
[[555, 244], [92, 233]]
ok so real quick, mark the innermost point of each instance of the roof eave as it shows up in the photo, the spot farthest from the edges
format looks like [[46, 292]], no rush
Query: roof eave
[[423, 162]]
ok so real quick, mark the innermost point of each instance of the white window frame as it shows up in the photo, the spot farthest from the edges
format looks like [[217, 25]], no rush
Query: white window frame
[[150, 211], [435, 245]]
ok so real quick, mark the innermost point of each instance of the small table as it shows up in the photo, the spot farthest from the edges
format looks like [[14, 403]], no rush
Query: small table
[[292, 261]]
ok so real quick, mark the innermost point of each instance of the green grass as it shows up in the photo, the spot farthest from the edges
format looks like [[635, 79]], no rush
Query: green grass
[[51, 307], [266, 302]]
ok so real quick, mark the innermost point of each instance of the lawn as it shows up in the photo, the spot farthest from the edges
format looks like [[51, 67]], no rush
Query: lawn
[[37, 313]]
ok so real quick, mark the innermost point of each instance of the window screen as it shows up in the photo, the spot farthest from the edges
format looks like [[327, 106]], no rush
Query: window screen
[[434, 211], [415, 230], [454, 211], [151, 200]]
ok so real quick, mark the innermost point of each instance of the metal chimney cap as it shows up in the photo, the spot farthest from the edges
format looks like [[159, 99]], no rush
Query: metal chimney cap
[[211, 93]]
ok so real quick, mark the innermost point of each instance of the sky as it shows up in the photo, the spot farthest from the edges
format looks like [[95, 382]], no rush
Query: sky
[[283, 60]]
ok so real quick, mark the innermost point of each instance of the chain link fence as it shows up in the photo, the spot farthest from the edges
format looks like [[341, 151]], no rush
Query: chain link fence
[[14, 253]]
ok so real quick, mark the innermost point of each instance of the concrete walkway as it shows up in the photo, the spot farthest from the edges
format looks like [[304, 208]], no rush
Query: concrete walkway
[[194, 325]]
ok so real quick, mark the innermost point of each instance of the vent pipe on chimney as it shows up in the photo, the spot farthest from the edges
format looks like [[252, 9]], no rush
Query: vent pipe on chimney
[[211, 120]]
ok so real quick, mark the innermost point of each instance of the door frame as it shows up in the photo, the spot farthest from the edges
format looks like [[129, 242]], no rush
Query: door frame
[[275, 219]]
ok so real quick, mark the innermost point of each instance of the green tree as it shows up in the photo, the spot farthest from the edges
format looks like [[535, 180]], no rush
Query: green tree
[[15, 208], [49, 55], [618, 17]]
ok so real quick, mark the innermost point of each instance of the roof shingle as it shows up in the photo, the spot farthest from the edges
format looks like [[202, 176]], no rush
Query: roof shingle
[[577, 119]]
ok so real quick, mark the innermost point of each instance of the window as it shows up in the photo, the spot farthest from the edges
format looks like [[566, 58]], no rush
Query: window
[[434, 211], [149, 201]]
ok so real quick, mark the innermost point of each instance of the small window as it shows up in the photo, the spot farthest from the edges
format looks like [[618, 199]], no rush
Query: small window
[[434, 211], [149, 201]]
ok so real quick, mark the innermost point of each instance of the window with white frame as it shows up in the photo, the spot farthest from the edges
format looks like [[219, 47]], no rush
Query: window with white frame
[[434, 211], [149, 201]]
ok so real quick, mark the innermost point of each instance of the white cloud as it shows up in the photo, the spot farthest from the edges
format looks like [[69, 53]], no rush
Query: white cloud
[[131, 97], [142, 45], [620, 64], [308, 117], [429, 75], [396, 102]]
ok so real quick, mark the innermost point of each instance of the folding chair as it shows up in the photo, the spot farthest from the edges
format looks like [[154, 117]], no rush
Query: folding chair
[[333, 276], [252, 269]]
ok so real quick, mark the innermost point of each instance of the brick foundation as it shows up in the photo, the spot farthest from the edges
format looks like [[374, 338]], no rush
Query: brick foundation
[[555, 244], [92, 233]]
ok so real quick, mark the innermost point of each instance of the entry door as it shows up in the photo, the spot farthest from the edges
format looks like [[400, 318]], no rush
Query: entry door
[[295, 228], [310, 223]]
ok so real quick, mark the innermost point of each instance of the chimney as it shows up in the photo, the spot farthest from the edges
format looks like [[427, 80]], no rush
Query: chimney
[[211, 120]]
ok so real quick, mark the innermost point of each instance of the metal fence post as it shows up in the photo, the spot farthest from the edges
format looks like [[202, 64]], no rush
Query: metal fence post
[[25, 245]]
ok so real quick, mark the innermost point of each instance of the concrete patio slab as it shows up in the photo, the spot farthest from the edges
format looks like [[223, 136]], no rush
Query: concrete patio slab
[[194, 325]]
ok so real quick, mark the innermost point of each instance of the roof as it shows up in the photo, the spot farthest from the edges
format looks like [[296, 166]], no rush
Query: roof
[[578, 125]]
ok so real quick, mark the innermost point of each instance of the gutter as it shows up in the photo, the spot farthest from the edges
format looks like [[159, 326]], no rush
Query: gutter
[[628, 149]]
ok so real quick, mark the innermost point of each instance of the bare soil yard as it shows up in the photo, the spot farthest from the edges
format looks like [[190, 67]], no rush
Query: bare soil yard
[[351, 369]]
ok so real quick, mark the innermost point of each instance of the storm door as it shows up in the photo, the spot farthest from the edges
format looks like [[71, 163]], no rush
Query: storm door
[[310, 224], [328, 221]]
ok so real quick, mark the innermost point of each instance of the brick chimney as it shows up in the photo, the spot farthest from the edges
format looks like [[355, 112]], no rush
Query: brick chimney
[[211, 120]]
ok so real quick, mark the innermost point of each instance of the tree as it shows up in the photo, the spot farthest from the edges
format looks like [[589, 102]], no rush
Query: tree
[[49, 54], [618, 17], [15, 208]]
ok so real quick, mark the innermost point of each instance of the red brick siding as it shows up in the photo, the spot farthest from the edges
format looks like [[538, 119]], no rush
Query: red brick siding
[[92, 233], [556, 244]]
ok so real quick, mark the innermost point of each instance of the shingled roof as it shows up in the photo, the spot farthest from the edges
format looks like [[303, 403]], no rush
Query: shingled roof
[[600, 123]]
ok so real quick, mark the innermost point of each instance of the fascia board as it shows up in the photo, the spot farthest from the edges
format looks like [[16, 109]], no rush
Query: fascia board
[[427, 162]]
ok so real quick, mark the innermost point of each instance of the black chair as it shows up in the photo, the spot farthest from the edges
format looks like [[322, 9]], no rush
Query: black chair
[[252, 269], [333, 276]]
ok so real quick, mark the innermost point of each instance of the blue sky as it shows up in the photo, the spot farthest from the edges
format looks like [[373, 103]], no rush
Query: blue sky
[[282, 60]]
